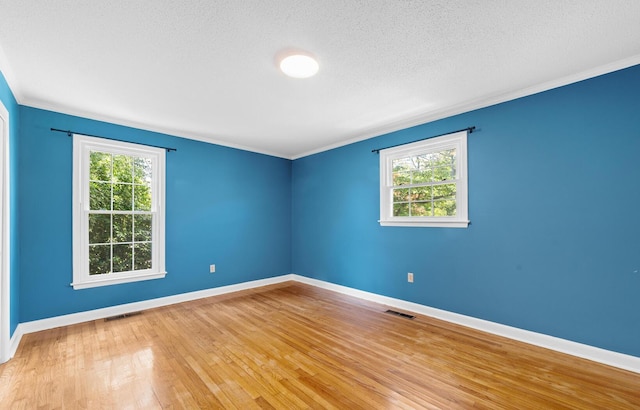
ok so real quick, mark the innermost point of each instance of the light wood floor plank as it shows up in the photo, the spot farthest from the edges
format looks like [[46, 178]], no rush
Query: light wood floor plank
[[293, 346]]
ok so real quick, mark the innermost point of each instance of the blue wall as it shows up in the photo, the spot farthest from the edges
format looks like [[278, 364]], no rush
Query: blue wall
[[9, 101], [554, 199], [224, 206]]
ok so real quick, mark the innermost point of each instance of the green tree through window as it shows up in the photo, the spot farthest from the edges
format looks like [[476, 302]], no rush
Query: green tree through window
[[420, 184], [120, 217]]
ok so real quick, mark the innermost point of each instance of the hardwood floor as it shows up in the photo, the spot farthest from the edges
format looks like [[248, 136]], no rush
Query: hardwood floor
[[293, 346]]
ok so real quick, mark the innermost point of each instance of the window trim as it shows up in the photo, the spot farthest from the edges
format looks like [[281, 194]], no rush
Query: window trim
[[457, 140], [82, 145]]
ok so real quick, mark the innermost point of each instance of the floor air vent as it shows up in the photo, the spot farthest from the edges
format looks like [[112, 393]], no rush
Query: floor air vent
[[107, 319], [394, 312]]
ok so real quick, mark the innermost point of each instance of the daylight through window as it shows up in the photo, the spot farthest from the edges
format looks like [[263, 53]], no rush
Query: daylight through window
[[425, 183], [118, 217]]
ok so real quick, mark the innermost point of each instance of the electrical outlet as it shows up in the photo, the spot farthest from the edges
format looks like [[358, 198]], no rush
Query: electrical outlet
[[410, 277], [212, 268]]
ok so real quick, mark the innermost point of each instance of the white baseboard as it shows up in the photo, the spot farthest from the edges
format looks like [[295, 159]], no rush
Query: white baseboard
[[596, 354], [80, 317], [620, 360]]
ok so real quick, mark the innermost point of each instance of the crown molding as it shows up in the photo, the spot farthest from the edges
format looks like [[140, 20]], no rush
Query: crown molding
[[350, 139], [477, 104], [170, 131]]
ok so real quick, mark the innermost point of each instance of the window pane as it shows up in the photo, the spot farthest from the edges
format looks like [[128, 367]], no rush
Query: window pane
[[99, 228], [400, 209], [99, 259], [142, 228], [422, 176], [100, 196], [421, 209], [122, 257], [142, 256], [122, 168], [142, 169], [422, 193], [401, 195], [439, 158], [445, 191], [142, 198], [403, 164], [122, 228], [422, 162], [401, 178], [444, 208], [122, 197], [99, 166], [443, 173]]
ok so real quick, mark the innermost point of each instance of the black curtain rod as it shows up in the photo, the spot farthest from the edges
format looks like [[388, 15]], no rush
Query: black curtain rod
[[469, 129], [70, 133]]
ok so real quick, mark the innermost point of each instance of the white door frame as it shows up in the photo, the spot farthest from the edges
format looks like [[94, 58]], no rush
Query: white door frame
[[5, 224]]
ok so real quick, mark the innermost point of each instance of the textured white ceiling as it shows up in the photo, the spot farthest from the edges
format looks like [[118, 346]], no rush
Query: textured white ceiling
[[205, 69]]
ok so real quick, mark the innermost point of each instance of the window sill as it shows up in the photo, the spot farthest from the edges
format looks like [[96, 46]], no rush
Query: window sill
[[117, 280], [429, 224]]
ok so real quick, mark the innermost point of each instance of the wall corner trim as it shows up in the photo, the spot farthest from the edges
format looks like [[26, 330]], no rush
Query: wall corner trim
[[596, 354]]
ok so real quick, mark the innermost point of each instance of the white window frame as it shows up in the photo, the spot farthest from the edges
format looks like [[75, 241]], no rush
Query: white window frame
[[82, 147], [456, 140]]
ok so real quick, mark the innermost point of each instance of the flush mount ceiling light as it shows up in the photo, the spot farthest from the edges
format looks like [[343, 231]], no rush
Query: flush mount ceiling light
[[298, 65]]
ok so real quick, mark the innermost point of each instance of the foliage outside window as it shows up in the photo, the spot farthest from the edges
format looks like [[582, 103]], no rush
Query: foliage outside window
[[118, 212], [425, 183]]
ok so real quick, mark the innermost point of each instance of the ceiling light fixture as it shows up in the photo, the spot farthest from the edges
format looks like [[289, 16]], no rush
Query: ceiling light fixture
[[299, 65]]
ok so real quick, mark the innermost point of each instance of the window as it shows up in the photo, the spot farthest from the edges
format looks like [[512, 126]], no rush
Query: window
[[425, 183], [118, 212]]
